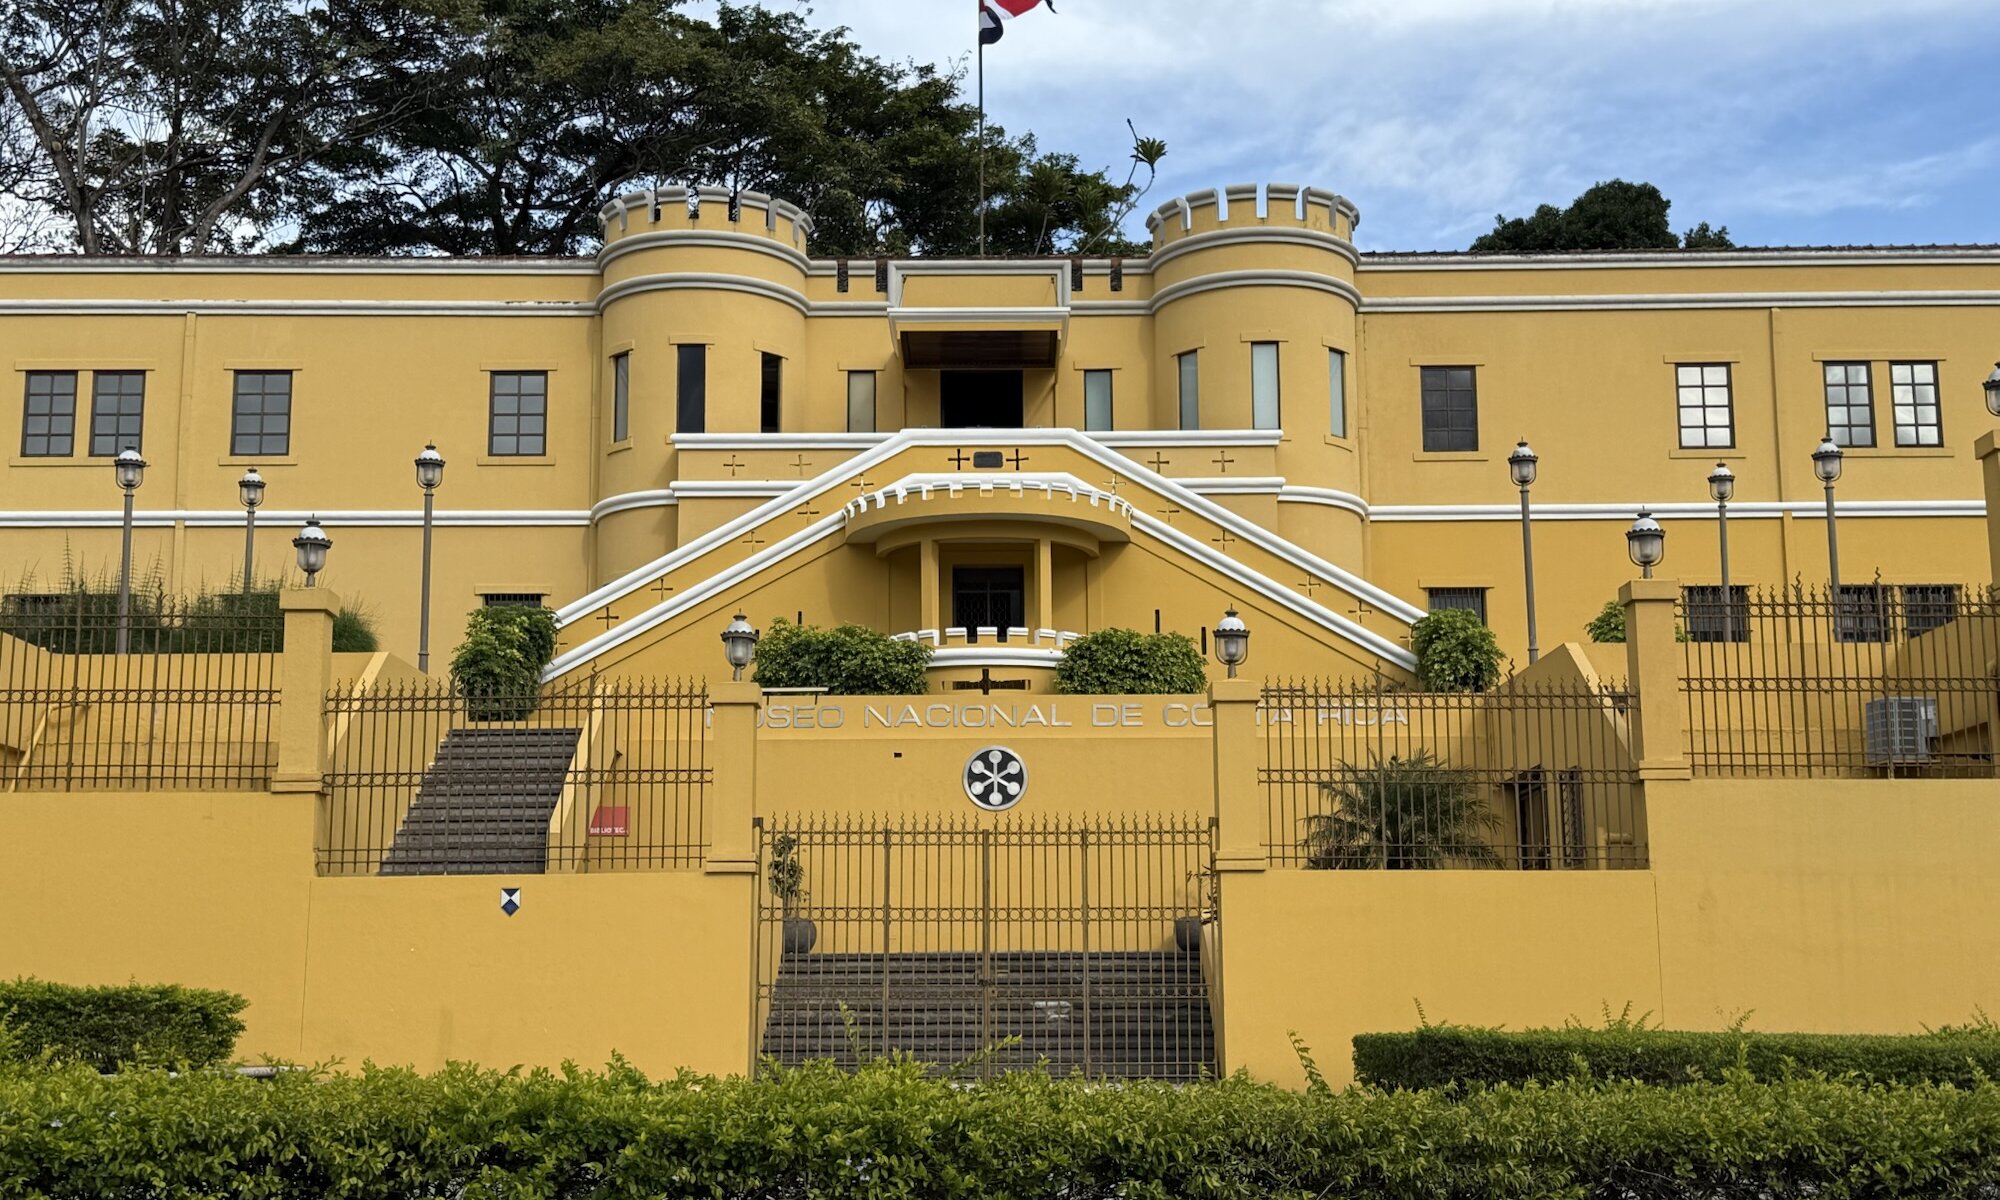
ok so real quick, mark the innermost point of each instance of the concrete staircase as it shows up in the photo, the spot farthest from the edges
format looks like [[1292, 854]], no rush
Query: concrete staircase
[[484, 804], [1146, 1015]]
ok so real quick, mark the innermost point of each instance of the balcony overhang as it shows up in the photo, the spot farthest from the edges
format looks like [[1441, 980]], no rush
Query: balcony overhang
[[979, 339], [1055, 508]]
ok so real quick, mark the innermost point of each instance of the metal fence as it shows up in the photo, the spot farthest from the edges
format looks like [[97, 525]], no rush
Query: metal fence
[[590, 776], [990, 947], [180, 694], [1881, 680], [1526, 777]]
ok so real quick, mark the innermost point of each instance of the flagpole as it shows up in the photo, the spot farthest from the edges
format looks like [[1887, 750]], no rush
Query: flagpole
[[982, 147]]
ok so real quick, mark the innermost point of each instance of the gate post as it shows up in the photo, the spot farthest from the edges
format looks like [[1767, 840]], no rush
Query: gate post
[[1653, 664], [732, 788], [1240, 809], [305, 674]]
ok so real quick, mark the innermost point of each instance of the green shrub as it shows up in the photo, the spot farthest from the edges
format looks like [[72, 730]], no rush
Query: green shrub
[[1400, 814], [1608, 625], [1455, 652], [847, 660], [902, 1131], [79, 615], [1125, 662], [498, 667], [1437, 1055], [354, 632], [106, 1028]]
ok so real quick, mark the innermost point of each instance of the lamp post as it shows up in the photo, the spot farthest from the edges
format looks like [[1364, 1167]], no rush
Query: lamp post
[[1992, 386], [430, 473], [130, 470], [312, 545], [739, 643], [1521, 468], [1722, 486], [250, 490], [1232, 641], [1646, 542], [1826, 465]]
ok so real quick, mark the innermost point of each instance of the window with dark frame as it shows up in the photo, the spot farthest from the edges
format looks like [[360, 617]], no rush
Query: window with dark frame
[[691, 388], [1710, 620], [512, 599], [1450, 410], [1264, 399], [1465, 599], [1928, 606], [48, 415], [117, 412], [771, 394], [621, 397], [1096, 401], [1337, 393], [1861, 613], [1702, 398], [1913, 398], [1189, 365], [260, 421], [519, 420], [1850, 404]]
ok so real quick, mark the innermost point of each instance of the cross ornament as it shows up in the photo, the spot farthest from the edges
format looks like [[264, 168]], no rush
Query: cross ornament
[[959, 459], [1170, 512], [800, 464], [734, 466], [661, 588], [1311, 586], [861, 481], [1224, 540], [1018, 459], [1158, 462], [608, 617], [1222, 461], [1113, 484], [808, 512], [753, 540]]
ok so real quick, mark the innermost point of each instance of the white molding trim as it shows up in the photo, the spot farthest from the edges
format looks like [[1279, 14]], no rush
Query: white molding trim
[[994, 655], [725, 489], [777, 441], [1233, 485], [703, 281], [1299, 494], [333, 519], [627, 501], [1738, 510], [1886, 256], [256, 264], [713, 239], [1147, 439], [1225, 280], [1679, 300], [1296, 235], [298, 308]]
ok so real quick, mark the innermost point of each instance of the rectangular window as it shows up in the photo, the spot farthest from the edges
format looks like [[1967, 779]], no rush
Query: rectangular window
[[770, 395], [1709, 619], [1096, 400], [1190, 371], [861, 402], [1336, 403], [519, 424], [621, 397], [1914, 396], [1469, 599], [1450, 410], [48, 420], [1861, 613], [1850, 406], [512, 599], [117, 411], [691, 389], [1702, 396], [261, 421], [1927, 606], [1264, 385]]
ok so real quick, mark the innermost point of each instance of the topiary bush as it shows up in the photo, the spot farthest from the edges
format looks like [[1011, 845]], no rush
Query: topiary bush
[[847, 660], [1125, 662], [1439, 1055], [1455, 652], [1608, 625], [498, 667], [106, 1028]]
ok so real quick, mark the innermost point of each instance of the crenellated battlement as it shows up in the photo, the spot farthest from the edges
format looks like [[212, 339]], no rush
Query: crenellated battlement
[[1250, 206], [712, 208]]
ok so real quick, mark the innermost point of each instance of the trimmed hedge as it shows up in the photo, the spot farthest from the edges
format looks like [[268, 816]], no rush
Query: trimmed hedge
[[847, 660], [1439, 1055], [1125, 662], [106, 1028], [898, 1130]]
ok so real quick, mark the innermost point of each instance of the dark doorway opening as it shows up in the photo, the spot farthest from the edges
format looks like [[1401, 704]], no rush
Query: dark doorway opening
[[979, 399], [995, 596]]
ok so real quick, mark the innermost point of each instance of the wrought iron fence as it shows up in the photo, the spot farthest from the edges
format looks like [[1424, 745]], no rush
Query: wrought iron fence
[[180, 694], [1528, 777], [591, 776], [1881, 680], [990, 947]]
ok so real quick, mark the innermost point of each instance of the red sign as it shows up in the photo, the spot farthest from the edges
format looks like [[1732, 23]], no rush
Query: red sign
[[609, 821]]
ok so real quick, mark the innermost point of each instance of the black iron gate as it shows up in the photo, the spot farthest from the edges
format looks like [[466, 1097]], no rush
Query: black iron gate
[[1093, 947]]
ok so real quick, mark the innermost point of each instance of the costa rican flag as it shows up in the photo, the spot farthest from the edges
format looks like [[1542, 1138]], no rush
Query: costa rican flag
[[993, 12]]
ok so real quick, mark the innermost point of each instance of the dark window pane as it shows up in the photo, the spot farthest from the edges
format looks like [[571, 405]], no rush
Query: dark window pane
[[1709, 619], [50, 416], [263, 410], [621, 398], [1927, 606], [772, 391], [517, 412], [1861, 613], [1450, 409], [118, 400], [691, 389], [1467, 599]]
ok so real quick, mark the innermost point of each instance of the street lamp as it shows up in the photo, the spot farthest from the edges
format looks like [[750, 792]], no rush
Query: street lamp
[[1232, 641], [1521, 468], [1646, 542], [1992, 386], [130, 470], [739, 643], [1722, 486], [430, 473], [1826, 465], [250, 490], [312, 545]]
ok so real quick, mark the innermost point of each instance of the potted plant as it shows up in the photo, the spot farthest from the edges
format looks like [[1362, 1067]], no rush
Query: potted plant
[[787, 876]]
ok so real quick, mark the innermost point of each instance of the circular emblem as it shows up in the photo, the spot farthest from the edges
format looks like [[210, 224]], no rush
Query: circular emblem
[[995, 779]]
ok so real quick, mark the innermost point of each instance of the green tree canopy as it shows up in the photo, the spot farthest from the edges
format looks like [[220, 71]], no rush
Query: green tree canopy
[[1609, 216]]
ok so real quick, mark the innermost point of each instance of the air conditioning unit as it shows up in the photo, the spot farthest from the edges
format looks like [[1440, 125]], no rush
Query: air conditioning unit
[[1899, 729]]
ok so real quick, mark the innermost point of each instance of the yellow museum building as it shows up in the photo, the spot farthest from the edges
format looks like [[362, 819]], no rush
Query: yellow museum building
[[1781, 805]]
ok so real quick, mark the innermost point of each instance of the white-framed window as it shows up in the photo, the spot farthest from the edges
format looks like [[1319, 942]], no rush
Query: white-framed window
[[1096, 400], [621, 397], [1190, 393], [1913, 396], [1336, 395], [1264, 385], [861, 402], [1702, 395]]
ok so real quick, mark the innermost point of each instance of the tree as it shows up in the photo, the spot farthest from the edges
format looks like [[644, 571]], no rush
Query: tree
[[1455, 652], [1400, 814], [1608, 216]]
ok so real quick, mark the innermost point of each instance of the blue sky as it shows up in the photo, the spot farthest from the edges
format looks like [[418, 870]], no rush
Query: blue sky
[[1833, 121]]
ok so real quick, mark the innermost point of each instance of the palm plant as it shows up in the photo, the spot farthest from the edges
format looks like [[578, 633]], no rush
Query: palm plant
[[1400, 814]]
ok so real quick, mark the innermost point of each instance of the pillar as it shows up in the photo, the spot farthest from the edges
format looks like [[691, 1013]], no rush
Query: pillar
[[732, 787], [927, 585], [1045, 583], [1987, 450], [304, 677], [1240, 810], [1653, 667]]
